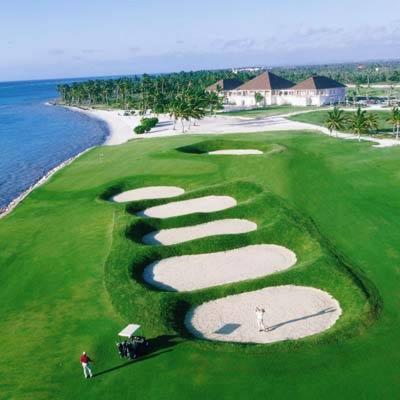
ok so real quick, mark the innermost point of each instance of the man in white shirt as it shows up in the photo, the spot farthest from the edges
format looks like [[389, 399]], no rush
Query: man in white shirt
[[260, 318]]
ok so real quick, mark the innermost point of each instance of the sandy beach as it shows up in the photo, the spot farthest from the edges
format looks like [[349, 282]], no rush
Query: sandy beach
[[121, 126]]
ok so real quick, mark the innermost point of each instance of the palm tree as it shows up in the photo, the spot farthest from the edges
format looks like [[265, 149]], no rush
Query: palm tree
[[359, 123], [196, 110], [180, 109], [258, 97], [214, 102], [372, 121], [394, 119], [354, 97], [336, 120]]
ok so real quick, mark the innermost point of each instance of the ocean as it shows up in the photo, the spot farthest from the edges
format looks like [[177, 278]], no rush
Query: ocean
[[35, 137]]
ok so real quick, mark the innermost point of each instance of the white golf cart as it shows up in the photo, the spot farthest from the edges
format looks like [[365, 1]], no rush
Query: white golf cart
[[132, 346]]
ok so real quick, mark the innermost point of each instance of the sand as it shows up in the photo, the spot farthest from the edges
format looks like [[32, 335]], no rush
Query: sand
[[148, 193], [199, 205], [192, 272], [236, 152], [184, 234], [291, 312], [121, 126]]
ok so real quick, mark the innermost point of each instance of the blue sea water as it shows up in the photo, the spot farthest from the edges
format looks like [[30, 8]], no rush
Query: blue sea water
[[35, 137]]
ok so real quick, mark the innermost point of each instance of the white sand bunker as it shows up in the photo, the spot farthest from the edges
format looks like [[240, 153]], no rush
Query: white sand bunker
[[148, 193], [200, 205], [184, 234], [236, 152], [199, 271], [291, 312]]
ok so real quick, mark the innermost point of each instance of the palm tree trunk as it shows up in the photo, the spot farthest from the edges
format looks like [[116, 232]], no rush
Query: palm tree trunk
[[183, 126]]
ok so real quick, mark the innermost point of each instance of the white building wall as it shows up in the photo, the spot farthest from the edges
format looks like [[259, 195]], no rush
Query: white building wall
[[246, 98], [319, 97]]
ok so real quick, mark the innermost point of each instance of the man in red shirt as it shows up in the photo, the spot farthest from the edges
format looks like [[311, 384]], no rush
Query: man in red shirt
[[85, 361]]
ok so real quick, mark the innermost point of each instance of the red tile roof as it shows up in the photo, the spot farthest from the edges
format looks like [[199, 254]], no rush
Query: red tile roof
[[318, 82], [225, 84], [266, 81]]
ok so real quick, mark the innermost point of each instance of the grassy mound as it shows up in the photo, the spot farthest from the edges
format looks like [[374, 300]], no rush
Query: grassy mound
[[206, 146]]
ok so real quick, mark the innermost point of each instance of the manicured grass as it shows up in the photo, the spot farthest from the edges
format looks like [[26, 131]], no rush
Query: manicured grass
[[71, 262], [375, 91], [319, 118], [263, 112]]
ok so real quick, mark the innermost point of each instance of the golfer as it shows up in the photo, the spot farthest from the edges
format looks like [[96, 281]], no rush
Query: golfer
[[85, 361], [260, 318]]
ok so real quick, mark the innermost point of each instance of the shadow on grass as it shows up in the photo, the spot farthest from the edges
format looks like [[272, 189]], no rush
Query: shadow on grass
[[163, 342]]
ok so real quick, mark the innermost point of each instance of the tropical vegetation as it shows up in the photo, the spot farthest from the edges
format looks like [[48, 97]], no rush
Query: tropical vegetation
[[146, 124], [359, 122], [336, 120], [183, 96], [394, 119]]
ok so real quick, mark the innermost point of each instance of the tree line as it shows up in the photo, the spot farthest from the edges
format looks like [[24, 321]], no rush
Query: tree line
[[354, 73], [154, 92], [182, 95]]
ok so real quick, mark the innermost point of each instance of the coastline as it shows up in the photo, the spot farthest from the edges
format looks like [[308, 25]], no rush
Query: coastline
[[14, 203], [120, 128], [115, 135]]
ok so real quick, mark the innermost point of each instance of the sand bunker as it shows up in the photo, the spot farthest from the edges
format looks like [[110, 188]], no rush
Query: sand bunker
[[200, 205], [237, 152], [199, 271], [291, 312], [148, 193], [184, 234]]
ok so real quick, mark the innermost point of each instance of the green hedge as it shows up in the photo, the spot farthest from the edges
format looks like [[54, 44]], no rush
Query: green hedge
[[146, 124]]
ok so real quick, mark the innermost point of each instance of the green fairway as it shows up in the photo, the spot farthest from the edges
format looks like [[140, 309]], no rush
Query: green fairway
[[71, 263], [319, 118], [263, 112]]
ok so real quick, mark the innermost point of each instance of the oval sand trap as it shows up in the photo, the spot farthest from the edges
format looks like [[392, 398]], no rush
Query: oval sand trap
[[236, 152], [291, 312], [149, 193], [199, 271], [184, 234], [200, 205]]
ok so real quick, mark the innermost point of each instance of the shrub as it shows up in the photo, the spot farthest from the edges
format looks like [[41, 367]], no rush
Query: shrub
[[140, 129], [149, 122]]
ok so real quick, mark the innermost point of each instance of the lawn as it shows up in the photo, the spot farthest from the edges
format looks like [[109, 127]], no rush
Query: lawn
[[319, 118], [263, 112], [71, 262], [365, 91]]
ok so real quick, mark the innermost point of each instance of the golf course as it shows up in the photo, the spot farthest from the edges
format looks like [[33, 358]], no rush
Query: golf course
[[85, 254]]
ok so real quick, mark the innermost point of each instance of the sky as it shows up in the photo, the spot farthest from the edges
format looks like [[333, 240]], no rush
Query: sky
[[45, 39]]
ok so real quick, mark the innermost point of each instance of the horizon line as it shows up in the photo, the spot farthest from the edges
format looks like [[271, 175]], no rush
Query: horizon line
[[285, 66]]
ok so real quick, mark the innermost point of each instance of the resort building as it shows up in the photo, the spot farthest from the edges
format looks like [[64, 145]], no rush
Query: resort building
[[270, 89], [317, 91], [267, 85], [223, 86]]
